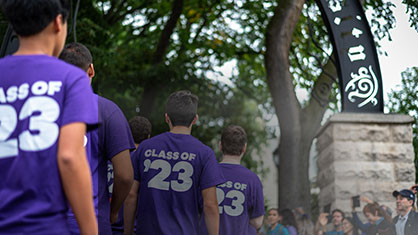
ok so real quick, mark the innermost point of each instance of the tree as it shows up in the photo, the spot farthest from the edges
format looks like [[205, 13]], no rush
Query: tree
[[404, 100], [299, 123]]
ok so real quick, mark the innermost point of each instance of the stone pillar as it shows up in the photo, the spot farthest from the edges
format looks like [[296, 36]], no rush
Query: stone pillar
[[364, 154]]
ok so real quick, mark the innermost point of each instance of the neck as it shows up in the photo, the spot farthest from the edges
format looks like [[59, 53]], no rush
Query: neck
[[404, 213], [338, 228], [232, 159], [35, 45], [181, 130]]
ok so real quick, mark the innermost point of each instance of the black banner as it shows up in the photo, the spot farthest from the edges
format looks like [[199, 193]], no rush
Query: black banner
[[360, 79]]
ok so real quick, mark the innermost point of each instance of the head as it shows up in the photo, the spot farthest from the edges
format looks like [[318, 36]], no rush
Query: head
[[32, 17], [372, 212], [337, 217], [273, 216], [286, 217], [233, 141], [348, 226], [405, 199], [78, 55], [140, 128], [181, 109]]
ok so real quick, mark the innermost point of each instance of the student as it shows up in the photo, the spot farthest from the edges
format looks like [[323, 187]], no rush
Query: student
[[111, 142], [174, 170], [45, 106], [240, 198], [141, 130]]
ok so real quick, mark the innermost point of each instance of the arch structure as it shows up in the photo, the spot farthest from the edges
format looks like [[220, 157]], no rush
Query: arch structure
[[359, 75]]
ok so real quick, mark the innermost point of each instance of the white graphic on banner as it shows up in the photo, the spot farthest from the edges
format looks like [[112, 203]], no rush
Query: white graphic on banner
[[356, 32], [356, 53], [364, 86]]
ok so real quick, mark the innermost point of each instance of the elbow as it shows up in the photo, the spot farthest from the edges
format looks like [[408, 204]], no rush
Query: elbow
[[125, 178], [67, 159], [211, 208]]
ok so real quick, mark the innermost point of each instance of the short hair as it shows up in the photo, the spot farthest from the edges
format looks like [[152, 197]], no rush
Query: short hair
[[29, 17], [140, 128], [288, 218], [351, 220], [338, 210], [181, 108], [233, 140], [77, 54], [372, 208]]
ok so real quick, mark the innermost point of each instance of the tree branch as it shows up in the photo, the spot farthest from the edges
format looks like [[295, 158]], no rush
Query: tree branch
[[164, 41]]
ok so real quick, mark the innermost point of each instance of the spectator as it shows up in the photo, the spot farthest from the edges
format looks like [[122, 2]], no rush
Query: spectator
[[406, 223], [305, 225], [287, 218], [348, 226], [275, 228], [336, 229]]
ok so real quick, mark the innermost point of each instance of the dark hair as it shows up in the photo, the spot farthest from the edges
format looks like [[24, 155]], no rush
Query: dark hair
[[29, 17], [181, 108], [338, 210], [233, 140], [140, 128], [288, 218], [273, 209], [372, 208], [355, 229], [77, 54]]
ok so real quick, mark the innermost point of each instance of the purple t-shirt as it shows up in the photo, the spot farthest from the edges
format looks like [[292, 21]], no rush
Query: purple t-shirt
[[240, 199], [172, 170], [112, 137], [117, 227], [38, 95]]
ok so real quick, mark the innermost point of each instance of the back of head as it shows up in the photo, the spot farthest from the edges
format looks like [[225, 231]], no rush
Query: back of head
[[371, 208], [140, 128], [77, 54], [181, 108], [288, 218], [30, 17], [233, 140]]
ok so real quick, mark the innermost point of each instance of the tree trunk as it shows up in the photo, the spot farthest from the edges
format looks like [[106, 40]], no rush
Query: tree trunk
[[297, 126]]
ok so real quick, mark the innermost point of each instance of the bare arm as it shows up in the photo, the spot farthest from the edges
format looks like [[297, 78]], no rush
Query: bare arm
[[321, 223], [122, 182], [129, 211], [76, 176], [257, 222], [211, 210]]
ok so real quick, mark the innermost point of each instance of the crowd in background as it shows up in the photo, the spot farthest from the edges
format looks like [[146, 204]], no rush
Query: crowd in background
[[376, 219]]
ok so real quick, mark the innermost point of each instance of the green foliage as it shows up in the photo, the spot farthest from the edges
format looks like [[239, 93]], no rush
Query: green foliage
[[404, 100]]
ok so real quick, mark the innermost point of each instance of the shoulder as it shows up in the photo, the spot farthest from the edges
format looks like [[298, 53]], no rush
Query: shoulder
[[108, 103]]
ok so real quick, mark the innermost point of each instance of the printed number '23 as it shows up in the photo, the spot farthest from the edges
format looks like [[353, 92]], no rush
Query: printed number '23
[[43, 131], [182, 184], [236, 207]]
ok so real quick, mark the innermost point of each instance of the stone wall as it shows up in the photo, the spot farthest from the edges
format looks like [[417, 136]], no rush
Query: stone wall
[[364, 154]]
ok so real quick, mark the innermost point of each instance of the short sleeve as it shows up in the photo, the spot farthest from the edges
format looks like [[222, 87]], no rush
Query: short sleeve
[[135, 165], [80, 104], [258, 199], [118, 134], [211, 174]]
